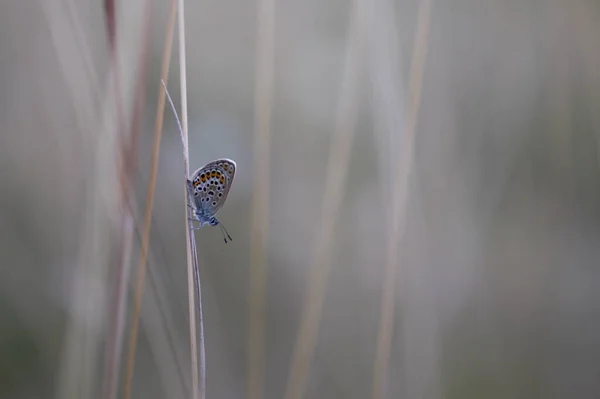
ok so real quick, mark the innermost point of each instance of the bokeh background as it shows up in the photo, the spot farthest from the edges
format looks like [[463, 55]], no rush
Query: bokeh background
[[497, 277]]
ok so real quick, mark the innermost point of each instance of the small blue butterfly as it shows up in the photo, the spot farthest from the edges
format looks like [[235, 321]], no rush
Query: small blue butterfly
[[208, 191]]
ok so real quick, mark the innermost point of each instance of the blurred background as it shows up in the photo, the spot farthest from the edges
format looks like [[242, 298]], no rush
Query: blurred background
[[492, 256]]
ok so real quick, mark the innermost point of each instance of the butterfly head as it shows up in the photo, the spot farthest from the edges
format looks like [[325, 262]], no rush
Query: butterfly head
[[213, 221], [204, 220]]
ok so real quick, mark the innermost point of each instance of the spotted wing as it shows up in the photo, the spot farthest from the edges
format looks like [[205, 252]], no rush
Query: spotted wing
[[211, 184]]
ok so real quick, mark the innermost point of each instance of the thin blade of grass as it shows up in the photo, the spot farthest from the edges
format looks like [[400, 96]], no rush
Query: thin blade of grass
[[128, 155], [337, 169], [193, 241], [192, 260], [400, 189], [95, 122], [260, 205], [148, 206]]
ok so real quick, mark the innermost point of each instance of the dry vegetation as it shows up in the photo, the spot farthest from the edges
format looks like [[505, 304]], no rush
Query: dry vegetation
[[414, 214]]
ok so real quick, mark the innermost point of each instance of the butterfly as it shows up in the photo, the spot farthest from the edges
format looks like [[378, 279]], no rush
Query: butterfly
[[208, 189]]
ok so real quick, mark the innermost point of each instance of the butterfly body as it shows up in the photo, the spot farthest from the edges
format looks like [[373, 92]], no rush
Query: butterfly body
[[208, 189]]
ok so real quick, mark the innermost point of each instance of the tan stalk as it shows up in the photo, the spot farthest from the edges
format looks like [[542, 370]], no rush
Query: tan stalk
[[260, 205], [148, 206], [384, 339], [189, 234], [337, 168]]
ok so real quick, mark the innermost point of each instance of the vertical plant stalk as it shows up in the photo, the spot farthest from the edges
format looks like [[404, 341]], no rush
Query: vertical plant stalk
[[110, 23], [260, 205], [384, 339], [583, 32], [192, 245], [559, 104], [386, 78], [94, 120], [115, 322], [202, 362], [337, 169], [128, 152], [148, 206], [192, 265]]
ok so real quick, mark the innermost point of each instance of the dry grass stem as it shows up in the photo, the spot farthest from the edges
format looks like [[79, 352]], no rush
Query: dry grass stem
[[128, 156], [337, 168], [384, 339], [260, 204], [95, 119], [148, 207], [192, 260]]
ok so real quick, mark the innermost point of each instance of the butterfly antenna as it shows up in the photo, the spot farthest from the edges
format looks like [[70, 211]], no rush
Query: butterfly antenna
[[225, 233], [176, 116]]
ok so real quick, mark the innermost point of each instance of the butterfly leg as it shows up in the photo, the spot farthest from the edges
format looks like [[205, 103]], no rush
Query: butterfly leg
[[197, 227], [194, 227]]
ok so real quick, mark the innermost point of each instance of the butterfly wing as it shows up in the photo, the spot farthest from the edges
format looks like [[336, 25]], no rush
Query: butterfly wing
[[211, 183]]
